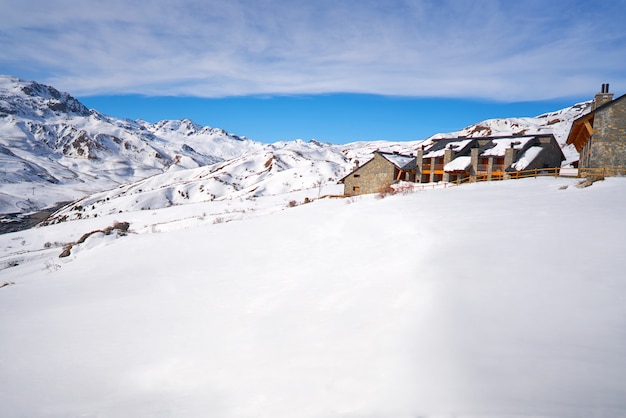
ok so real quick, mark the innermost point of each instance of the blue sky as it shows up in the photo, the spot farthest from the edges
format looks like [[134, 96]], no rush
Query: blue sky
[[333, 70]]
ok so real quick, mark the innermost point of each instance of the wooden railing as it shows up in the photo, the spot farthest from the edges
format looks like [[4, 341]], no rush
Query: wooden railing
[[408, 187], [546, 172]]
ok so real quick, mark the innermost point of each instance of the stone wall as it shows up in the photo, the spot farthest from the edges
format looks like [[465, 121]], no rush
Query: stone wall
[[549, 157], [371, 177], [607, 145]]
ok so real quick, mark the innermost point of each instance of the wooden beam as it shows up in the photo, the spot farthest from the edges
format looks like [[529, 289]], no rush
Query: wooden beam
[[581, 125], [573, 134], [581, 139]]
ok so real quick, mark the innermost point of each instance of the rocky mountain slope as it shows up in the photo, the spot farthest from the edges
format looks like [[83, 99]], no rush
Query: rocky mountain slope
[[54, 149]]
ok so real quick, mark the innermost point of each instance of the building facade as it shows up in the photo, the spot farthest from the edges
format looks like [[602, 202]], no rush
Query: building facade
[[456, 160], [489, 158], [600, 136], [383, 170]]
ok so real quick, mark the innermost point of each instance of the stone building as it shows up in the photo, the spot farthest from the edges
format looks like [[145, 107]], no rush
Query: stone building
[[489, 158], [432, 160], [379, 173], [600, 136], [456, 159]]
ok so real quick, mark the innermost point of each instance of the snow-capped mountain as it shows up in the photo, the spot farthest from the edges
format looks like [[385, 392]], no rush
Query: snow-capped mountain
[[273, 171], [53, 149]]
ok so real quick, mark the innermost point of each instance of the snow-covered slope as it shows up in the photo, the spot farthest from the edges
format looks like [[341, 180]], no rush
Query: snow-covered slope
[[52, 148], [468, 302], [278, 170]]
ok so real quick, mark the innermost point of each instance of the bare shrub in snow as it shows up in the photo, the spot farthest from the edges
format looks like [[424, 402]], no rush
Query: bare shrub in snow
[[120, 227], [12, 263], [403, 188], [385, 191], [51, 266]]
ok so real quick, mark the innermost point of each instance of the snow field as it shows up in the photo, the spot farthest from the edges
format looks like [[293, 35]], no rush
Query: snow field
[[501, 299]]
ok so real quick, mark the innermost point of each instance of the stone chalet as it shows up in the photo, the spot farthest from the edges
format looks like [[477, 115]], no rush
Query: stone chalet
[[600, 136], [455, 160], [379, 173], [489, 158]]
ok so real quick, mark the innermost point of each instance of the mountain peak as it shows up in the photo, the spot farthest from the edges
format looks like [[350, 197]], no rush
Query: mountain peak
[[35, 100]]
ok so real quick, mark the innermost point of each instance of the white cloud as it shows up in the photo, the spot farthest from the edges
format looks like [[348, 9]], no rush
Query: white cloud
[[485, 48]]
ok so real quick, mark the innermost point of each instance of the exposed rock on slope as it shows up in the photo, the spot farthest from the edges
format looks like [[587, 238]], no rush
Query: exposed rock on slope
[[276, 170], [53, 148]]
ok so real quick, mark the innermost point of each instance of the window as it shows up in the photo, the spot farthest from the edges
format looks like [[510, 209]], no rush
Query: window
[[356, 189], [483, 164], [357, 176]]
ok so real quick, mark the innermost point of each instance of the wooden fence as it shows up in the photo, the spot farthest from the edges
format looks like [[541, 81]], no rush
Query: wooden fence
[[598, 173], [547, 172], [538, 172]]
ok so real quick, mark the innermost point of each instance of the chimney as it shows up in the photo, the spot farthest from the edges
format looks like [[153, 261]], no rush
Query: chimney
[[603, 97]]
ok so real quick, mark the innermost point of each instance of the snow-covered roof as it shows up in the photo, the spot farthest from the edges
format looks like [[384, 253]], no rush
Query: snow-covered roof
[[526, 158], [438, 149], [399, 160], [501, 144], [458, 164]]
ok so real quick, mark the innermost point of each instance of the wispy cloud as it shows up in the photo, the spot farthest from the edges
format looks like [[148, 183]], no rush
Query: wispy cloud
[[452, 48]]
